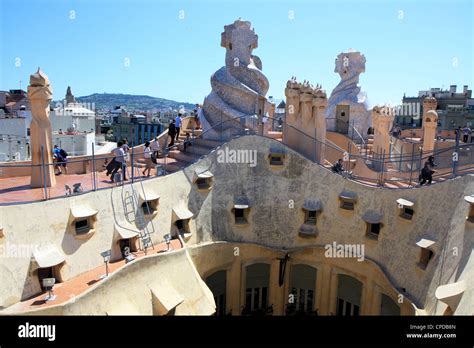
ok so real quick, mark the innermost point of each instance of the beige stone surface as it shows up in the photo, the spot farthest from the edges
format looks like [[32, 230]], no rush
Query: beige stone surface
[[40, 94], [430, 123], [305, 119], [276, 198], [382, 120], [131, 289]]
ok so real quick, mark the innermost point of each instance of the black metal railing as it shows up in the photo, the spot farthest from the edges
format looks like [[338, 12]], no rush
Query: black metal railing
[[88, 173]]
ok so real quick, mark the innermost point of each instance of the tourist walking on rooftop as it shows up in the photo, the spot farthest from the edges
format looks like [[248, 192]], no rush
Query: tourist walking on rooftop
[[119, 160], [147, 155], [426, 174], [466, 132], [397, 131], [178, 121], [126, 149], [431, 161], [280, 124], [171, 132], [155, 147], [198, 116], [457, 132], [60, 157]]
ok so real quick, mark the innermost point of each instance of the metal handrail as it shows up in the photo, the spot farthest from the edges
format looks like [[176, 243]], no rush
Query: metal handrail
[[357, 132], [254, 126]]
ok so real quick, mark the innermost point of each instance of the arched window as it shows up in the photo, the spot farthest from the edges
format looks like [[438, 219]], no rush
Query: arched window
[[256, 293], [217, 283], [349, 291], [302, 292], [388, 306]]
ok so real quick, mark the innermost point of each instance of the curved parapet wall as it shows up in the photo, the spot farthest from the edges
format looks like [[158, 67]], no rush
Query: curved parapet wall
[[138, 287], [238, 86], [274, 200], [141, 288]]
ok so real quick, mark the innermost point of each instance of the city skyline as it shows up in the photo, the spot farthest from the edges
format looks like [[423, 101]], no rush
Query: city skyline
[[170, 49]]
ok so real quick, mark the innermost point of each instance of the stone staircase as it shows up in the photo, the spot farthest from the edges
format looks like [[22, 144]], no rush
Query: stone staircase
[[275, 135], [367, 151], [178, 159]]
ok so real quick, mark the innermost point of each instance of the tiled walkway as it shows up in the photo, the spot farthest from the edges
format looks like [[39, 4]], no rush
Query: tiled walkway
[[17, 189], [77, 285]]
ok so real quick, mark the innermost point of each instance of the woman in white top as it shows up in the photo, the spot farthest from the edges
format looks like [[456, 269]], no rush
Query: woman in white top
[[155, 147], [198, 116], [147, 155]]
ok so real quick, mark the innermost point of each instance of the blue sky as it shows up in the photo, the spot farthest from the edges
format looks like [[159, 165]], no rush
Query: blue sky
[[428, 44]]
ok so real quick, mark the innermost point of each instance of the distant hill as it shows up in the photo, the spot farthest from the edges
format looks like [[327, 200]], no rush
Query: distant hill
[[108, 101]]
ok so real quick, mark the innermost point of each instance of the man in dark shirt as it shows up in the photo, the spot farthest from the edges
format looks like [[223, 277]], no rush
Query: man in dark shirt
[[337, 167], [427, 172], [172, 132]]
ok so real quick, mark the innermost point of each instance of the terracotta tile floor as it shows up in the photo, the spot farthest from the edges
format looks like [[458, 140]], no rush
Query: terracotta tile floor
[[77, 285], [17, 189]]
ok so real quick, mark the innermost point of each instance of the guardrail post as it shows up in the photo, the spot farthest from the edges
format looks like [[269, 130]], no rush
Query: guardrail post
[[352, 131], [94, 184], [456, 155], [132, 163], [400, 162], [350, 153], [192, 139], [367, 149], [315, 146], [421, 159], [383, 169], [412, 161], [44, 174]]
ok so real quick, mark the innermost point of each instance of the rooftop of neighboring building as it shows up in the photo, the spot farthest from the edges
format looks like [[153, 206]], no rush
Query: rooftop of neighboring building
[[452, 92], [74, 109]]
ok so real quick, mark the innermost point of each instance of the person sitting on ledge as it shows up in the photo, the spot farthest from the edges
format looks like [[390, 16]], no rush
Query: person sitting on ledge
[[187, 141], [337, 167]]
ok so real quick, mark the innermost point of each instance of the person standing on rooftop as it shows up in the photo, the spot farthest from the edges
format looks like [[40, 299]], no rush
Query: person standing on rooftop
[[466, 132], [125, 146], [155, 147], [178, 121], [120, 163], [198, 116], [147, 153], [171, 132]]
